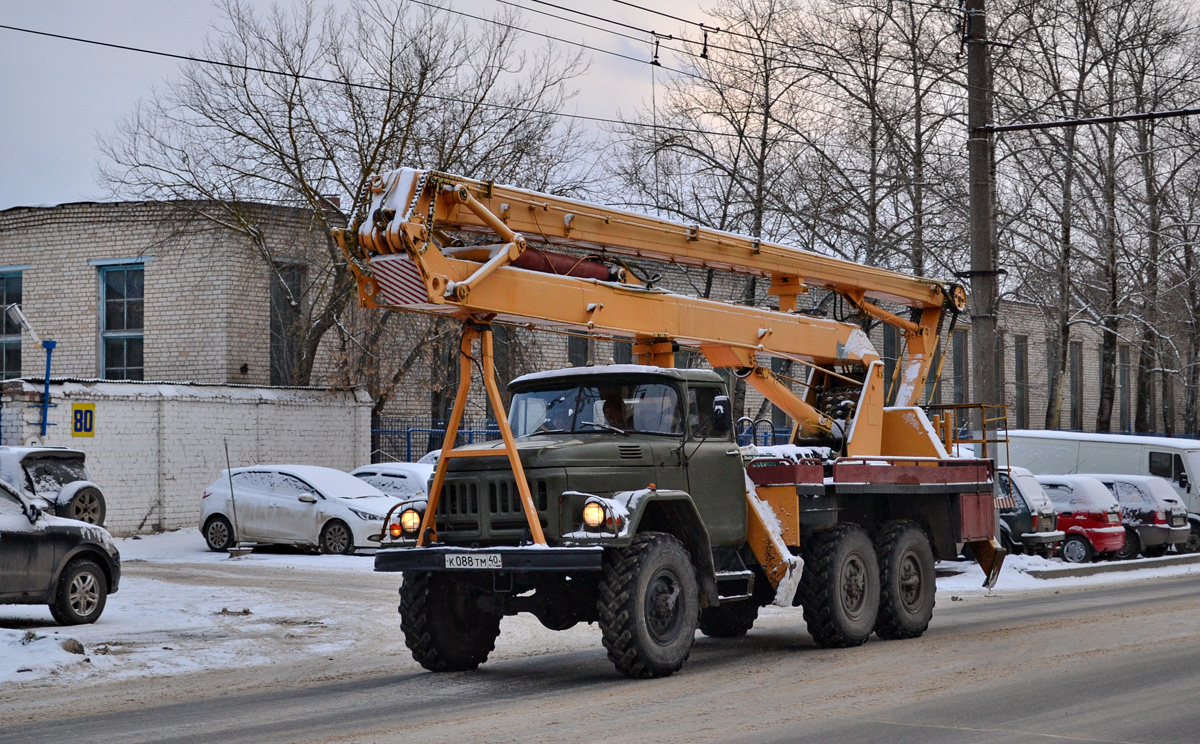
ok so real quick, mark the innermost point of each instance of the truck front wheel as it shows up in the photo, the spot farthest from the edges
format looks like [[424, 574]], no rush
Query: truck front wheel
[[443, 624], [840, 586], [649, 605], [908, 581]]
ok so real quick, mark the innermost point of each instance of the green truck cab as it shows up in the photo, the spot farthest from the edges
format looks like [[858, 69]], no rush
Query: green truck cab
[[641, 492]]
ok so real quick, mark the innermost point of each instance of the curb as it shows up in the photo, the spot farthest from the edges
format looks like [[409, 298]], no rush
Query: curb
[[1092, 569]]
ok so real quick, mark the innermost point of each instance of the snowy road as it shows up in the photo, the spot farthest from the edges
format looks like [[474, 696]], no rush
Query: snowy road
[[318, 659]]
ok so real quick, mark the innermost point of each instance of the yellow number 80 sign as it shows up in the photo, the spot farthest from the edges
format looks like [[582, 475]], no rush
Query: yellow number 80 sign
[[83, 419]]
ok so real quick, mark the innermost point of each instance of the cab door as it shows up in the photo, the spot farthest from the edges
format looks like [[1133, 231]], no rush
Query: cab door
[[1170, 467], [716, 478]]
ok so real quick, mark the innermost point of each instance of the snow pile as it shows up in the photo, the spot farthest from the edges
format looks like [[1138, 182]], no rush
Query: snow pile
[[30, 654]]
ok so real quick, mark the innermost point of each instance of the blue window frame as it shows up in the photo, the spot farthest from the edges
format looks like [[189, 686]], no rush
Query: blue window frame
[[121, 321], [10, 332]]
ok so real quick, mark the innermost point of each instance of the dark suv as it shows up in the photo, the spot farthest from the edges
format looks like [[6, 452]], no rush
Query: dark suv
[[70, 565], [55, 479], [1028, 522]]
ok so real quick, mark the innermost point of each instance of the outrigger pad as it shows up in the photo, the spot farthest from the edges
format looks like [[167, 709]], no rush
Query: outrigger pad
[[990, 557]]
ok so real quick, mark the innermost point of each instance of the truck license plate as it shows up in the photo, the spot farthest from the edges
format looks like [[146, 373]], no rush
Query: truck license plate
[[473, 560]]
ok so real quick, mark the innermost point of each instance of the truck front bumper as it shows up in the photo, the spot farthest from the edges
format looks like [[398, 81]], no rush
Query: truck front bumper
[[523, 559]]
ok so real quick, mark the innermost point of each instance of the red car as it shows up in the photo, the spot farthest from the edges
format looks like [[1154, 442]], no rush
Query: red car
[[1088, 514]]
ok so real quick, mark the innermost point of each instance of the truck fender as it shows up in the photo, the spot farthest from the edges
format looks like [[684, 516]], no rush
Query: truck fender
[[674, 513]]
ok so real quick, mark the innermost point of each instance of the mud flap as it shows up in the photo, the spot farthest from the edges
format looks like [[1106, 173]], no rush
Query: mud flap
[[990, 557]]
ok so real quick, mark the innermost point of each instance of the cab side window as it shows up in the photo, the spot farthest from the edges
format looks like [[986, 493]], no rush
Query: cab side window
[[700, 411], [1167, 465]]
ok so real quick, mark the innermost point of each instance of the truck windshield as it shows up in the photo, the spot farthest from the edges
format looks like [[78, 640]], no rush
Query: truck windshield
[[645, 407]]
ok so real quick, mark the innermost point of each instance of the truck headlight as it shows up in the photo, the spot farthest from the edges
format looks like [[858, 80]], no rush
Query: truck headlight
[[596, 515], [410, 523]]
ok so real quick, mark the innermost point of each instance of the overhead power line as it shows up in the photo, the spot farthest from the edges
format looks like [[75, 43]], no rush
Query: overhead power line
[[1089, 122], [389, 89]]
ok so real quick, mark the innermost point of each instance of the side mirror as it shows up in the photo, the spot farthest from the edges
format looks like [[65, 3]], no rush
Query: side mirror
[[1184, 483], [32, 512], [722, 416], [306, 499]]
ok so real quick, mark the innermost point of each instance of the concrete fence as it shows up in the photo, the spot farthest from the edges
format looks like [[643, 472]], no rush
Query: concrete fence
[[154, 447]]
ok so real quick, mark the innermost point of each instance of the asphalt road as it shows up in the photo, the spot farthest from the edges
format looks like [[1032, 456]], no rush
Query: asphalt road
[[1107, 664]]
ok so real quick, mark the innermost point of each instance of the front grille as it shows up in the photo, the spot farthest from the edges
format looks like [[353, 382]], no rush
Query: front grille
[[458, 499], [504, 498]]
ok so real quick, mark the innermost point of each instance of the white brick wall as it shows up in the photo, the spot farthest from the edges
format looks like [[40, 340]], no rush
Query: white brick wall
[[156, 447]]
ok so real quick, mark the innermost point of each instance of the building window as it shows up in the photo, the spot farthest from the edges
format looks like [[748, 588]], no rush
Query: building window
[[577, 351], [1021, 372], [121, 324], [286, 308], [1123, 387], [1075, 364], [622, 352], [891, 354], [10, 330]]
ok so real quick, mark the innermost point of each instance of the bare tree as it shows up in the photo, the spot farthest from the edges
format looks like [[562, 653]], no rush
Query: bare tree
[[303, 104]]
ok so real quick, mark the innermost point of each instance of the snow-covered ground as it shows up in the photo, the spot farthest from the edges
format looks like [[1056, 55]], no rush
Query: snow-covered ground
[[182, 608]]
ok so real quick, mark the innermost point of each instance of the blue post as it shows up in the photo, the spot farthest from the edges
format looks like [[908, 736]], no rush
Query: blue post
[[49, 347]]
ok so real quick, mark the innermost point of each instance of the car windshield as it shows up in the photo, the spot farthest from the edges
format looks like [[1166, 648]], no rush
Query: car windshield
[[1031, 490], [47, 475], [597, 407]]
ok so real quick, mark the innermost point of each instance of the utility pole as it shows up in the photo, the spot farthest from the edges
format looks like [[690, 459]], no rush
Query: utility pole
[[983, 273]]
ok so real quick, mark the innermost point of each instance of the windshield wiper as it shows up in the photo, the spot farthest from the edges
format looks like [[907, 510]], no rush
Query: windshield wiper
[[604, 426], [547, 431]]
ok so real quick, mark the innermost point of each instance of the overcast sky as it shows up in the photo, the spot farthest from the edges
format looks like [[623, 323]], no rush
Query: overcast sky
[[58, 96]]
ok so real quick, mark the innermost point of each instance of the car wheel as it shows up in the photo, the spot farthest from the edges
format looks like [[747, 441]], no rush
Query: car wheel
[[87, 505], [337, 539], [218, 533], [1193, 542], [81, 593], [1076, 549], [1131, 548]]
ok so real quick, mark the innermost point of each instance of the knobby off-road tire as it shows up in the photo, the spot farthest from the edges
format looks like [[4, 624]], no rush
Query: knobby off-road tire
[[443, 626], [729, 620], [840, 587], [908, 584], [649, 606], [81, 593]]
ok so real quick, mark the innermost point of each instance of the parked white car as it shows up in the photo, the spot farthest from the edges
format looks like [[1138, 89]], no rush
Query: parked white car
[[302, 505], [404, 480]]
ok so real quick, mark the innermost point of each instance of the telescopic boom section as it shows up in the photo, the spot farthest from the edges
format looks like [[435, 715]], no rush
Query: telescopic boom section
[[405, 259]]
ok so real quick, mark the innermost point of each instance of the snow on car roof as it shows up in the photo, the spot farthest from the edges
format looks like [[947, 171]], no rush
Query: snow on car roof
[[1187, 444], [330, 481], [617, 369]]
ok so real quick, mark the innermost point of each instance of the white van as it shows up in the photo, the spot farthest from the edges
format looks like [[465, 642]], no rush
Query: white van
[[1070, 452]]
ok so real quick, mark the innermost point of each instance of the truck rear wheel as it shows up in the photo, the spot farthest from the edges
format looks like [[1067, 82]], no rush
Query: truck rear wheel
[[840, 586], [729, 620], [443, 625], [907, 580], [649, 606]]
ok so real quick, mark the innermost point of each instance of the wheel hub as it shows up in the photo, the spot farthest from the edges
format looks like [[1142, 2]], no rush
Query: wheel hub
[[662, 603], [854, 585], [910, 581], [84, 594]]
